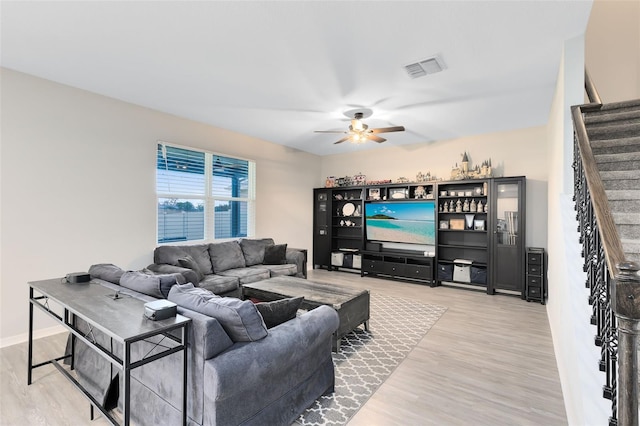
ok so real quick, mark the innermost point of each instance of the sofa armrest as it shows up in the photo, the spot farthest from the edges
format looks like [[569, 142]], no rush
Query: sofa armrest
[[293, 348], [298, 257], [189, 275]]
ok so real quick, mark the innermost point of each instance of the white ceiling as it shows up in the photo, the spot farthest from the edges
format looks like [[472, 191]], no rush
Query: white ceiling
[[278, 70]]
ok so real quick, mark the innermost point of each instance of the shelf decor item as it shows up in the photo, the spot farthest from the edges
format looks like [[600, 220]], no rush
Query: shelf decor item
[[444, 224], [457, 224], [359, 179], [469, 220], [348, 209], [478, 225], [374, 194], [397, 193], [330, 182]]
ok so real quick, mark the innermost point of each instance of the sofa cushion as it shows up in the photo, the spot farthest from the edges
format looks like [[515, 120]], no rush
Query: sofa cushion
[[287, 269], [253, 250], [149, 283], [248, 275], [219, 284], [275, 254], [227, 255], [189, 263], [279, 311], [106, 271], [239, 318]]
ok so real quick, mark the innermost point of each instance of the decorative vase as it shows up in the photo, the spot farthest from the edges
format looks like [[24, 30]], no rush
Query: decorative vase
[[469, 220]]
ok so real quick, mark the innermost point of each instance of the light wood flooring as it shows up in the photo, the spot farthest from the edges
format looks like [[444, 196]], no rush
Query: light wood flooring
[[489, 360]]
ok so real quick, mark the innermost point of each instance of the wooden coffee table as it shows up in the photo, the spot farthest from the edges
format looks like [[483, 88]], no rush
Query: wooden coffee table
[[351, 305]]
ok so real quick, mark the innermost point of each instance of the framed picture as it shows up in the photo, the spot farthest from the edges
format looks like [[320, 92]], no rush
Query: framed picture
[[374, 194], [397, 193], [444, 224], [457, 224], [478, 225]]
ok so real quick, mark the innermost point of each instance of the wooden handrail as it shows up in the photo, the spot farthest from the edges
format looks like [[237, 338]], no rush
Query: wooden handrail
[[609, 236], [590, 87]]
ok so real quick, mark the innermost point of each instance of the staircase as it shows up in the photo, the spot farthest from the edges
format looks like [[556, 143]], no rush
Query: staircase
[[614, 134]]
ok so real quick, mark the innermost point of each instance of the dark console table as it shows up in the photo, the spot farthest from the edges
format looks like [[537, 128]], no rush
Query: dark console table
[[119, 318], [398, 264]]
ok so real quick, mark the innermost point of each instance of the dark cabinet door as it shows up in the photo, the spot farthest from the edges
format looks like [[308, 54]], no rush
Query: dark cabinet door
[[507, 225], [321, 227]]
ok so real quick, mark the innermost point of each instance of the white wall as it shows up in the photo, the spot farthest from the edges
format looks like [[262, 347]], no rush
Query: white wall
[[567, 308], [612, 51], [513, 153], [78, 185]]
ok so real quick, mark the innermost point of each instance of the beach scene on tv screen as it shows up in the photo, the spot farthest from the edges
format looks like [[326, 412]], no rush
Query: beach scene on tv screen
[[405, 222]]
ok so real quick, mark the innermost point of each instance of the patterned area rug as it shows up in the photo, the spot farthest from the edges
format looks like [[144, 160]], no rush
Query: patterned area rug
[[366, 359]]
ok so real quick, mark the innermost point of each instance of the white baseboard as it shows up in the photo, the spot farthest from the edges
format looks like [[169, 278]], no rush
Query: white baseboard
[[37, 334]]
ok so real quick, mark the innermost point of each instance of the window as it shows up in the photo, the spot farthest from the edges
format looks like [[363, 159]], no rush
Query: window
[[202, 195]]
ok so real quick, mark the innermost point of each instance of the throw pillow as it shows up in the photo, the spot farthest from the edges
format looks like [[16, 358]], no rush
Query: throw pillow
[[239, 318], [275, 254], [190, 263], [279, 311], [225, 256], [106, 271], [149, 283], [253, 250]]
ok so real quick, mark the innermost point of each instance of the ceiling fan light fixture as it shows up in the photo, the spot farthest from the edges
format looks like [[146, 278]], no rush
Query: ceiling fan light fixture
[[358, 138], [357, 125]]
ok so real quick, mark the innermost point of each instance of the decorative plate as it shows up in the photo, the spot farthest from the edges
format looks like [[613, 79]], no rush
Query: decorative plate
[[348, 209]]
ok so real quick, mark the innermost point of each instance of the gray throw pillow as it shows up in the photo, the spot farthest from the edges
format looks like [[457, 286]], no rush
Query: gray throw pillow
[[150, 284], [106, 271], [239, 318], [253, 250], [279, 311], [275, 255], [225, 256], [190, 263]]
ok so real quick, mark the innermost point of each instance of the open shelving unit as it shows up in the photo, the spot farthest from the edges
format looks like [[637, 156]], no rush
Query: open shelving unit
[[478, 221], [462, 230]]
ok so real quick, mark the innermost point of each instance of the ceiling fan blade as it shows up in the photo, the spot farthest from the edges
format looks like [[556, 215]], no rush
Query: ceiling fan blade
[[329, 131], [375, 138], [346, 138], [388, 129]]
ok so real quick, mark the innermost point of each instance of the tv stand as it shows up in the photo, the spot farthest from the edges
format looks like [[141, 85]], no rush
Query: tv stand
[[399, 264]]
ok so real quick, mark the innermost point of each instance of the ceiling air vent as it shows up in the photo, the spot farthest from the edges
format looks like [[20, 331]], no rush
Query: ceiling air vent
[[424, 67]]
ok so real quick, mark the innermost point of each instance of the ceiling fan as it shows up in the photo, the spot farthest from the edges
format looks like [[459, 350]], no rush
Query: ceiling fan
[[360, 132]]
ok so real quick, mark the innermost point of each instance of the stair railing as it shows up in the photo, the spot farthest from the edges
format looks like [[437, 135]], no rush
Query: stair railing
[[614, 283]]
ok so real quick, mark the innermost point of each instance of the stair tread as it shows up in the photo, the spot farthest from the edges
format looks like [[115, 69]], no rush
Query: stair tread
[[620, 105], [617, 157], [623, 194], [626, 218], [612, 127], [620, 174], [607, 143], [601, 118]]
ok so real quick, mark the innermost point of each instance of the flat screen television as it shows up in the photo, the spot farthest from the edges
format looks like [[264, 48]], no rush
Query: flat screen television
[[411, 222]]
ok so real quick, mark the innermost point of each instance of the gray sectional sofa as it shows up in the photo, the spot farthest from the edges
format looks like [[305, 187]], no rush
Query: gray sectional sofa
[[239, 372], [224, 267]]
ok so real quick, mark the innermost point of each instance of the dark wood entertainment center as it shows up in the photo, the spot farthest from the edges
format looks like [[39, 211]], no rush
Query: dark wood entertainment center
[[478, 233]]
